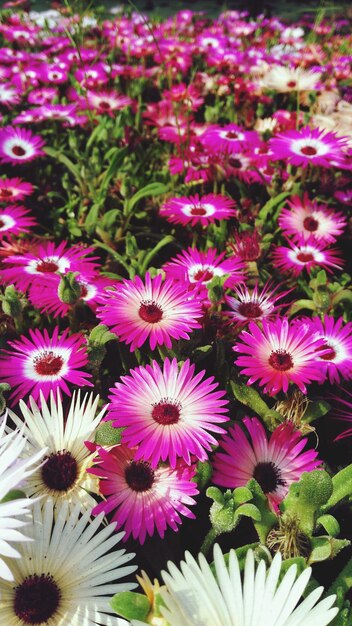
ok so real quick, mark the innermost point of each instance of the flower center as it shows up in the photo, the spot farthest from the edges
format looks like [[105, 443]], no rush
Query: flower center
[[308, 150], [139, 475], [59, 471], [250, 309], [18, 151], [268, 475], [330, 354], [310, 224], [281, 360], [198, 211], [235, 163], [37, 598], [5, 193], [231, 135], [150, 312], [2, 223], [47, 363], [47, 267], [203, 275], [104, 105], [292, 83], [84, 290], [166, 413], [305, 257]]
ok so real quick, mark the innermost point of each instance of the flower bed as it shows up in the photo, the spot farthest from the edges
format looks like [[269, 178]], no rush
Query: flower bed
[[176, 343]]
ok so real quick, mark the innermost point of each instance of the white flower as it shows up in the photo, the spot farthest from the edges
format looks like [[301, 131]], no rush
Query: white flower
[[63, 474], [12, 473], [67, 574], [195, 597]]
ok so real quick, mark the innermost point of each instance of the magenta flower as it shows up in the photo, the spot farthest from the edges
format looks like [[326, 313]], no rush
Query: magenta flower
[[253, 305], [19, 145], [308, 146], [14, 189], [198, 210], [230, 138], [335, 360], [168, 413], [15, 220], [199, 268], [279, 354], [44, 364], [305, 218], [305, 254], [274, 464], [155, 310], [43, 260], [143, 498]]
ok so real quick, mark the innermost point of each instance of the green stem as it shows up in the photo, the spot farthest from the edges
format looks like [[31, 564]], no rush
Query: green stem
[[343, 580], [208, 541]]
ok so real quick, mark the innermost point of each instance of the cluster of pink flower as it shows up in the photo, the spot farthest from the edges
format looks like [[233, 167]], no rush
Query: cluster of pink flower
[[245, 122]]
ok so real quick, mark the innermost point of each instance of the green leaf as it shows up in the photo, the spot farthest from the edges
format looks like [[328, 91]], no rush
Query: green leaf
[[249, 510], [314, 410], [250, 397], [131, 605], [326, 547], [342, 487], [92, 218], [267, 519], [344, 295], [106, 435], [62, 158], [100, 335], [242, 495], [330, 524], [116, 162], [14, 494], [299, 305], [151, 254], [307, 497], [153, 189], [269, 207]]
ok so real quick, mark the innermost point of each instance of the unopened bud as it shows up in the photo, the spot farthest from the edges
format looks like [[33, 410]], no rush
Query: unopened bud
[[69, 290]]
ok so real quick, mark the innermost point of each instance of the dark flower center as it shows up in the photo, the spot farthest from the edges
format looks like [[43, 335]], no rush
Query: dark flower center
[[268, 475], [166, 413], [281, 360], [250, 309], [60, 471], [203, 275], [2, 223], [6, 193], [18, 151], [84, 291], [150, 312], [292, 83], [139, 475], [235, 163], [104, 105], [305, 257], [47, 363], [329, 355], [47, 267], [231, 135], [198, 211], [37, 598], [308, 150], [310, 224]]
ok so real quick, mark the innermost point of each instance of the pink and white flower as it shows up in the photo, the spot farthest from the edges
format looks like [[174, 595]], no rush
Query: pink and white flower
[[168, 412], [153, 311], [14, 189], [198, 210], [252, 305], [308, 146], [306, 217], [335, 360], [305, 254], [19, 145], [275, 464], [15, 220], [44, 363], [279, 354], [144, 499]]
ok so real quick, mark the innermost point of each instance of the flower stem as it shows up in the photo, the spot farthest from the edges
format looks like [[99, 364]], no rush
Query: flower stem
[[208, 541]]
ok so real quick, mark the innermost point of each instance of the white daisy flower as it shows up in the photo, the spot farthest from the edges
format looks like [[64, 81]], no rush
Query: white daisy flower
[[12, 472], [67, 573], [195, 597], [63, 474]]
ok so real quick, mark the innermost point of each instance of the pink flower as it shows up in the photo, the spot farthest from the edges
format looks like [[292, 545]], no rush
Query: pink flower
[[15, 220], [230, 138], [252, 305], [305, 218], [14, 189], [167, 413], [274, 464], [155, 310], [198, 210], [308, 147], [143, 498], [44, 259], [279, 354], [335, 360], [199, 268], [44, 364], [19, 145], [305, 254]]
